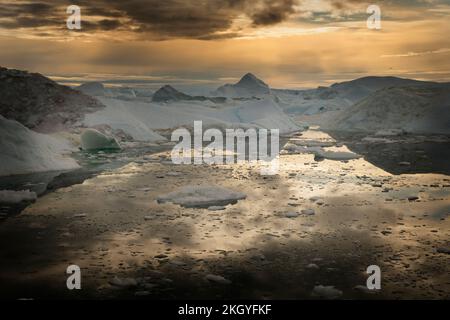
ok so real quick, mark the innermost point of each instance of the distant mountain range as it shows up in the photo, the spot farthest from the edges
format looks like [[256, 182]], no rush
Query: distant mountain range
[[365, 104]]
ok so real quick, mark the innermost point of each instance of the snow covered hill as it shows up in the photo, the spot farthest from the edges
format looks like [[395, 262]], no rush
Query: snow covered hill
[[26, 151], [339, 96], [40, 103], [422, 109], [249, 86], [355, 90]]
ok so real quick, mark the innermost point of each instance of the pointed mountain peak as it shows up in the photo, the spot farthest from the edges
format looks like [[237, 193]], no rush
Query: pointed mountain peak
[[169, 93], [248, 86], [168, 87], [251, 79]]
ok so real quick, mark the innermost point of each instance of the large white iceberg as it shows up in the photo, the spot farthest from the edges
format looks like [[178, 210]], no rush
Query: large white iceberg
[[26, 151]]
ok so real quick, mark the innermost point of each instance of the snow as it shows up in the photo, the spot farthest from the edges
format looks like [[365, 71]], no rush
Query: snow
[[92, 139], [25, 151], [14, 197], [203, 196]]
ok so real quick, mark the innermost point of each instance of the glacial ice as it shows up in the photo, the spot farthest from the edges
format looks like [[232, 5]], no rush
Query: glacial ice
[[25, 151], [92, 139]]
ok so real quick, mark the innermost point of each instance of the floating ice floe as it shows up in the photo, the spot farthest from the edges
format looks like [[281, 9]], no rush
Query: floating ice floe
[[216, 208], [326, 292], [376, 140], [312, 266], [390, 132], [308, 212], [204, 196], [336, 155], [14, 197], [291, 214], [123, 282], [217, 279]]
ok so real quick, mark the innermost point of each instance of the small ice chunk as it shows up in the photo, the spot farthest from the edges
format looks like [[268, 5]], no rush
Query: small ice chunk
[[217, 279], [14, 197], [203, 196], [326, 292], [291, 214], [123, 282], [443, 250], [308, 212], [337, 155], [142, 293], [216, 208], [390, 133]]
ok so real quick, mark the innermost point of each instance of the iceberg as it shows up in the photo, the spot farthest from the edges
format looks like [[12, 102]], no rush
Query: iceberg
[[92, 139]]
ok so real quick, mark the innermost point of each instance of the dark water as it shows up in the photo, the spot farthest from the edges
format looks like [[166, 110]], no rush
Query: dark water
[[404, 154], [92, 164]]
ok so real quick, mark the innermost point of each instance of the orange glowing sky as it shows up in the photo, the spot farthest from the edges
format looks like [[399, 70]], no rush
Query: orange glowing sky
[[288, 43]]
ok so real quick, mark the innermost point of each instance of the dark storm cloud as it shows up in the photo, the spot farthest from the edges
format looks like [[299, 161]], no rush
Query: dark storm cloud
[[49, 14], [273, 12], [200, 19], [165, 19]]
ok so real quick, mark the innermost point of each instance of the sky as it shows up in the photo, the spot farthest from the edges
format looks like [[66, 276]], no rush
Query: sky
[[206, 43]]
